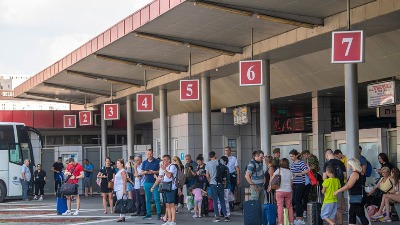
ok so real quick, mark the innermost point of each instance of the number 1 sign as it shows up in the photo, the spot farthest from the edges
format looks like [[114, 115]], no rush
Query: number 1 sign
[[69, 121], [85, 118], [111, 111], [251, 72], [348, 46], [144, 102]]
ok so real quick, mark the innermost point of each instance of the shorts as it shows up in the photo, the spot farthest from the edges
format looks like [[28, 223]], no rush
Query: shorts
[[129, 186], [88, 182], [170, 196], [197, 203], [329, 210]]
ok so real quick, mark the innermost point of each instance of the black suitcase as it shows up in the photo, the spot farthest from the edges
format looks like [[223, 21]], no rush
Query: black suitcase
[[314, 210], [252, 212], [204, 206]]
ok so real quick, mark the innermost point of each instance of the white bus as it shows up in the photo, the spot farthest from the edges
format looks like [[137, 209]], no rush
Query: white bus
[[15, 147]]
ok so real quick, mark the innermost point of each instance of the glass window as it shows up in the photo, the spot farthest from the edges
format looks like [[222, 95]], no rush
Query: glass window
[[111, 139], [121, 139], [6, 136], [54, 140], [15, 154], [90, 139], [139, 139], [232, 143], [285, 149], [72, 139]]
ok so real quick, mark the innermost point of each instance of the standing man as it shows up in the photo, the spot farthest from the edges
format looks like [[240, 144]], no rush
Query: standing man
[[139, 188], [339, 155], [277, 156], [234, 172], [150, 167], [57, 168], [24, 179], [255, 177], [363, 161], [190, 172], [39, 179], [217, 188], [75, 172], [88, 177]]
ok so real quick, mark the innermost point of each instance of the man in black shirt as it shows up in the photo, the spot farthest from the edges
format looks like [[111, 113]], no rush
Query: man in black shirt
[[57, 168]]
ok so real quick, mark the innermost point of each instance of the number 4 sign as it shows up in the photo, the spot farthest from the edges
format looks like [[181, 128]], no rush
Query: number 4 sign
[[111, 111], [189, 90], [251, 72], [348, 46], [69, 121], [85, 118], [144, 102]]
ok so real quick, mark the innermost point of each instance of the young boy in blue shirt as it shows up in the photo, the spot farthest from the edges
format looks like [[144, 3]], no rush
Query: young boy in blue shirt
[[330, 204]]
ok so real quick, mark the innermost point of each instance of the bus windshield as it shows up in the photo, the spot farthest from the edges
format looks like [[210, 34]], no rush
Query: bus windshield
[[20, 147]]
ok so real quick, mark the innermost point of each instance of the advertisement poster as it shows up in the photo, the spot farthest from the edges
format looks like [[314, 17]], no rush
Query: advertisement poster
[[380, 94]]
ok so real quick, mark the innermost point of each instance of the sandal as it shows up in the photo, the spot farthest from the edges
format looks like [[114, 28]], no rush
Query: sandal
[[387, 220], [377, 215]]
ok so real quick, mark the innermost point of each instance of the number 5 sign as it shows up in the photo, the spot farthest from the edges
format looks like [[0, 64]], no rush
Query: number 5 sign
[[189, 90], [144, 102], [85, 118], [251, 72], [111, 111], [348, 46]]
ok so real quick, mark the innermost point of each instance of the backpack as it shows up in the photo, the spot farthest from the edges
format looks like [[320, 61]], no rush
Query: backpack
[[180, 178], [338, 173], [222, 172], [369, 166]]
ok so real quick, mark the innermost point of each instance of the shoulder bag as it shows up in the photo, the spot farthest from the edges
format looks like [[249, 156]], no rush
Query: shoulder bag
[[67, 188], [276, 181], [357, 199], [110, 184], [125, 205]]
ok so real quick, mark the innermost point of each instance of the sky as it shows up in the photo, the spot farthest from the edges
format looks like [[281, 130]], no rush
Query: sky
[[36, 33]]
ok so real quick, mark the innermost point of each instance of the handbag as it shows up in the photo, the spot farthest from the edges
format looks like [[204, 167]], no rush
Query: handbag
[[311, 176], [276, 181], [355, 199], [110, 185], [98, 181], [166, 186], [68, 189], [125, 205]]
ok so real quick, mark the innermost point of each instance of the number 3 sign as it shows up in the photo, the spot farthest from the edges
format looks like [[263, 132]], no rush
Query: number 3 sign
[[111, 111], [144, 102], [189, 90], [251, 72], [348, 46]]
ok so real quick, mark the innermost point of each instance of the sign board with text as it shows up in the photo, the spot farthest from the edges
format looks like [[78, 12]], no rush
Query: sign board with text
[[251, 72], [189, 90], [85, 118], [144, 102], [348, 46], [69, 121], [386, 111], [384, 93], [111, 111], [241, 115]]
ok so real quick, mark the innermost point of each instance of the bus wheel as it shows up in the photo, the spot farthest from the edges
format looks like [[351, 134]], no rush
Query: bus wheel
[[3, 191]]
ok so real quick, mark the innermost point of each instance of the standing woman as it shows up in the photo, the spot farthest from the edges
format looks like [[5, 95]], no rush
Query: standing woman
[[268, 174], [355, 185], [39, 178], [179, 200], [384, 161], [299, 170], [107, 175], [120, 184]]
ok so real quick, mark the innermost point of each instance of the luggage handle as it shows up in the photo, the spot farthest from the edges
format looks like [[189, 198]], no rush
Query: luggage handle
[[319, 194]]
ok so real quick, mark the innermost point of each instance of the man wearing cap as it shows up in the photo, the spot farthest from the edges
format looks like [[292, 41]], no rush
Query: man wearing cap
[[277, 156]]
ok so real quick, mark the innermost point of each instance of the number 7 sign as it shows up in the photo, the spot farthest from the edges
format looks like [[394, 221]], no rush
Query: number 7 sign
[[348, 46], [144, 102]]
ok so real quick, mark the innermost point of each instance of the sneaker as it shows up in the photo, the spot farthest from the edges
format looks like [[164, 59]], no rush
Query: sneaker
[[35, 198], [177, 210], [227, 219], [41, 198], [147, 217], [179, 205], [387, 220], [76, 212], [194, 216], [67, 213], [299, 222], [172, 223], [166, 223], [377, 215], [216, 219]]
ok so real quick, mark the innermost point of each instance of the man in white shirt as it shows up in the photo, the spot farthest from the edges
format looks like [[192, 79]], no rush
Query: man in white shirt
[[24, 179], [234, 171]]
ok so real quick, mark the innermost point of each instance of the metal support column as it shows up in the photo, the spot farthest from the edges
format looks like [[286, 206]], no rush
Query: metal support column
[[103, 136], [163, 122], [130, 127], [265, 110], [206, 113], [351, 110]]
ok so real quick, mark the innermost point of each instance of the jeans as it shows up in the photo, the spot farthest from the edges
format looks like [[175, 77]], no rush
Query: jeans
[[24, 185], [147, 187], [284, 197], [217, 193], [140, 203], [39, 187], [297, 199]]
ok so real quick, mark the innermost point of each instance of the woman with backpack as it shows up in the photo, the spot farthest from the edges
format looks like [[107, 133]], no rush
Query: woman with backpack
[[179, 200]]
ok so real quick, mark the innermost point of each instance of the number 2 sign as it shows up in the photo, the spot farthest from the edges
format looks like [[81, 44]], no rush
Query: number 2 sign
[[144, 102], [251, 72], [348, 46], [111, 111], [69, 121], [189, 90], [85, 118]]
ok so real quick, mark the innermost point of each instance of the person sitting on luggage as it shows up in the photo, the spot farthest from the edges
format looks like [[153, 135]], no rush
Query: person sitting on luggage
[[330, 205], [197, 193]]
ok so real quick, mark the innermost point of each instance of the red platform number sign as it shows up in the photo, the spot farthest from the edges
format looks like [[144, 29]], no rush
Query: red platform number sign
[[189, 90], [144, 102], [69, 121], [251, 72], [111, 111], [85, 118], [347, 46]]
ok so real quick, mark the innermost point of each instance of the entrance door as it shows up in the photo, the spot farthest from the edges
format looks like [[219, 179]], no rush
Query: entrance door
[[93, 154], [47, 159]]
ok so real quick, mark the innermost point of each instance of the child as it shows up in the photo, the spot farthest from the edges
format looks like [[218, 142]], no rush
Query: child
[[330, 205], [197, 193]]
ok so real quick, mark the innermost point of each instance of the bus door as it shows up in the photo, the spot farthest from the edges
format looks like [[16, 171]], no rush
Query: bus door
[[14, 165]]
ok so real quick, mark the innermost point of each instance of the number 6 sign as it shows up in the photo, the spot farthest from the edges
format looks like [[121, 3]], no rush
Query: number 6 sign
[[189, 90], [251, 72], [348, 46], [144, 102], [111, 111]]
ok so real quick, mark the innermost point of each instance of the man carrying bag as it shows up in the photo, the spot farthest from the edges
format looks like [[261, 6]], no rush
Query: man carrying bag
[[70, 188]]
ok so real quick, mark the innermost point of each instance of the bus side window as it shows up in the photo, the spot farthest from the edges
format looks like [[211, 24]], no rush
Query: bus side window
[[15, 154], [6, 136]]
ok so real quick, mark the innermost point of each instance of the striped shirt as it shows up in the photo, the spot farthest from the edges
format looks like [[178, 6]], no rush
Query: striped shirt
[[298, 167], [257, 174]]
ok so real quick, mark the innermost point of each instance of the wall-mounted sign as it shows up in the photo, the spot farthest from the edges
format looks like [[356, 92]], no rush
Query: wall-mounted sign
[[144, 102], [383, 93], [386, 111], [69, 121], [189, 90], [241, 115], [111, 111], [85, 118], [251, 72], [348, 46]]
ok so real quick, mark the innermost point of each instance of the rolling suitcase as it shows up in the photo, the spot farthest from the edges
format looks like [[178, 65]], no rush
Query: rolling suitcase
[[314, 210], [252, 212], [269, 215], [61, 205], [204, 206]]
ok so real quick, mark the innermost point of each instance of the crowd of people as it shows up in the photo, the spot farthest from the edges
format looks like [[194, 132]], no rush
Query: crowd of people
[[157, 184]]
